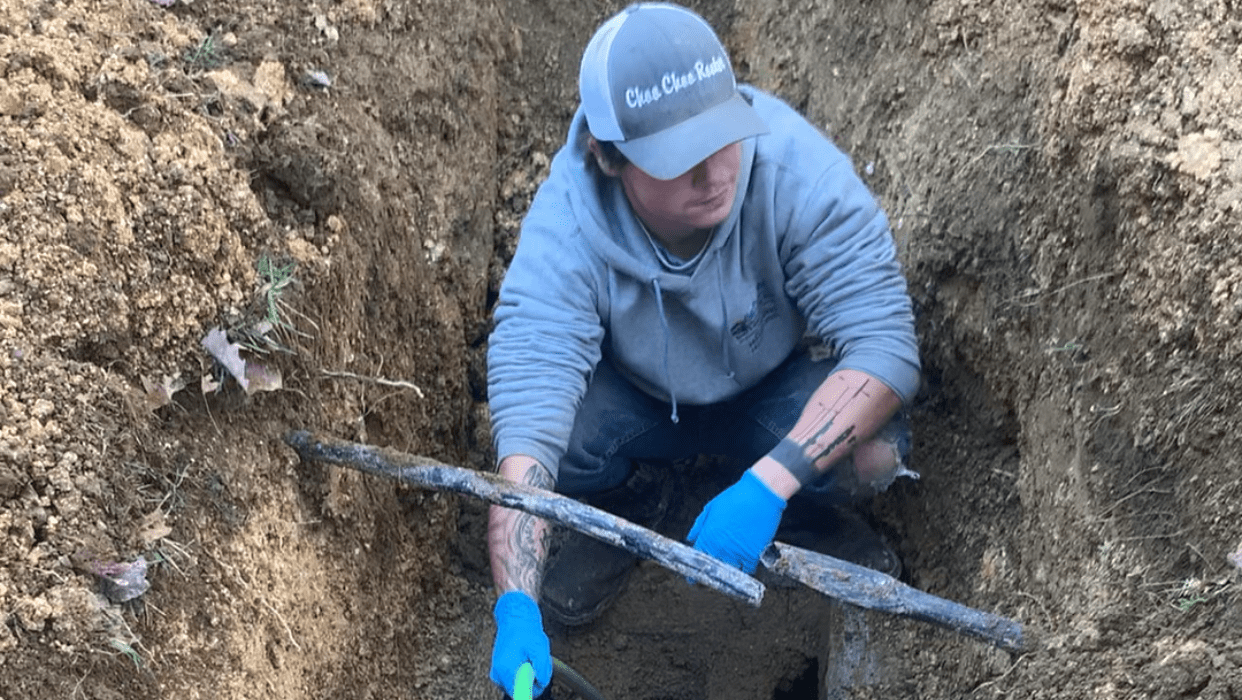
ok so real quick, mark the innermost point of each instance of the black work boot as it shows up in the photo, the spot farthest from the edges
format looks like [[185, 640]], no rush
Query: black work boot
[[583, 576], [843, 533]]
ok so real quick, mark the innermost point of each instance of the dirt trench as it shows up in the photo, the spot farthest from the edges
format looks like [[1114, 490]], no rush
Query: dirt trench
[[339, 187]]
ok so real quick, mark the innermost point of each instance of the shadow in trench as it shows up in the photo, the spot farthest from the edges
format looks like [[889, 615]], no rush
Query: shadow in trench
[[802, 685]]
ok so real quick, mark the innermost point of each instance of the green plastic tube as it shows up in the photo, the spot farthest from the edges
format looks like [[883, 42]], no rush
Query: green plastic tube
[[524, 682]]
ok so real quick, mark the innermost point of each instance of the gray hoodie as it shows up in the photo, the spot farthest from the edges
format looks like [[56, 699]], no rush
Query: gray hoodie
[[805, 250]]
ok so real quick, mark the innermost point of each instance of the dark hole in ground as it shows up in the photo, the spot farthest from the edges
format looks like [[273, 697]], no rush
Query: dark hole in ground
[[801, 685]]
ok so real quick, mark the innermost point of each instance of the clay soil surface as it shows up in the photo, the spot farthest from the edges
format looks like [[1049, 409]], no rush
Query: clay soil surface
[[335, 189]]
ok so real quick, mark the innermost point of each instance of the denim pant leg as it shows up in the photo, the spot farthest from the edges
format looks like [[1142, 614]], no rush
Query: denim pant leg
[[615, 424], [774, 406]]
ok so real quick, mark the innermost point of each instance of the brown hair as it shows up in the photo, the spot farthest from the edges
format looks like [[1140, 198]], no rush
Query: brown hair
[[612, 156]]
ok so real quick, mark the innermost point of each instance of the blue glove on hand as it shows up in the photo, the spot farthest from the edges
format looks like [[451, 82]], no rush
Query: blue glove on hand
[[520, 638], [737, 525]]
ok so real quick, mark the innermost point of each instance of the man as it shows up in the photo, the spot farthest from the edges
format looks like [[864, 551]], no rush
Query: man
[[690, 235]]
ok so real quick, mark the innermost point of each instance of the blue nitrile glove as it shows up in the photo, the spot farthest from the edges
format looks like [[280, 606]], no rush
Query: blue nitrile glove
[[737, 525], [520, 638]]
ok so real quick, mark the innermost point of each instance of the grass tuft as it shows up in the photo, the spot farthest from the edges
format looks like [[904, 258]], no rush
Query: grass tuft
[[124, 648], [267, 325], [208, 54]]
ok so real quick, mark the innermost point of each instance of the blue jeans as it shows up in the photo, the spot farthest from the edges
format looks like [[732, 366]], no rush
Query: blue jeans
[[618, 423]]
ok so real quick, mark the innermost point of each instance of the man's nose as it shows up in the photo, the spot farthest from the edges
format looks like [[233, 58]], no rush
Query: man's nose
[[707, 171]]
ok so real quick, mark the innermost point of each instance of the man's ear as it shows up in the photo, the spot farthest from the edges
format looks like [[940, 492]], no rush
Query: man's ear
[[600, 160]]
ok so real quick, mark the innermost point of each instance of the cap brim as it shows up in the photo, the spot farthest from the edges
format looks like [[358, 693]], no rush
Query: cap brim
[[667, 154]]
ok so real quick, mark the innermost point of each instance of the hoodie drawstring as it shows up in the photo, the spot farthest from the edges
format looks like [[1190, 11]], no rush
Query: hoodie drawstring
[[668, 374], [724, 321]]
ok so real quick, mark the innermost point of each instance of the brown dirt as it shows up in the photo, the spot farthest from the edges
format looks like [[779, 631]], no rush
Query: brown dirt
[[1065, 180]]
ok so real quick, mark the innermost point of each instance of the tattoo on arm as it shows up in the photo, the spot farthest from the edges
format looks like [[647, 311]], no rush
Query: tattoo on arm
[[538, 476], [519, 540], [804, 451], [528, 544], [802, 459]]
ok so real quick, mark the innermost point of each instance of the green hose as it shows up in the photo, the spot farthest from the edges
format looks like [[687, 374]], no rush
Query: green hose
[[574, 680], [524, 682]]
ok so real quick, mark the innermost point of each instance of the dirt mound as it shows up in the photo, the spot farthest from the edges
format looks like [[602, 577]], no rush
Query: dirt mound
[[337, 188]]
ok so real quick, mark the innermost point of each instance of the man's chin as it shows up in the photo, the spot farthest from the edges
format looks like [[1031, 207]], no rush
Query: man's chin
[[715, 217]]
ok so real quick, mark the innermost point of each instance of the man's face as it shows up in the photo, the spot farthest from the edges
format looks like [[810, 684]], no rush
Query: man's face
[[678, 210]]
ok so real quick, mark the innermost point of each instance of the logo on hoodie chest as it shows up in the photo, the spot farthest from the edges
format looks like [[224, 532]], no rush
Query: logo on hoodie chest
[[748, 331]]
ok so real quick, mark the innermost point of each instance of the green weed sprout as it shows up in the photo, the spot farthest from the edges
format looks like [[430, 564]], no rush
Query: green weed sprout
[[1194, 591], [275, 278], [207, 55], [127, 650], [267, 315], [1185, 604]]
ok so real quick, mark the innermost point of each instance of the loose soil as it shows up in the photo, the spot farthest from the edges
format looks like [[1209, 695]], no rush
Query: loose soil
[[1064, 181]]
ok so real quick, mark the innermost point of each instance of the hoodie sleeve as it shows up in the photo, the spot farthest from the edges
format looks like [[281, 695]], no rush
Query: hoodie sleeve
[[842, 270], [547, 334]]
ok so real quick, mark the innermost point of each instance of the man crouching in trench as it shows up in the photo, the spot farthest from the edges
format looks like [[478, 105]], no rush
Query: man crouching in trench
[[692, 235]]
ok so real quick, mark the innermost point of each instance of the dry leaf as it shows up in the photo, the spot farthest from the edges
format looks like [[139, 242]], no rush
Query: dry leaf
[[160, 393], [262, 378], [153, 528], [227, 354], [208, 384]]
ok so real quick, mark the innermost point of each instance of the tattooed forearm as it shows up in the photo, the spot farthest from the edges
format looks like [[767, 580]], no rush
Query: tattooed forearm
[[527, 546], [813, 443], [814, 432], [845, 409], [818, 452], [518, 541]]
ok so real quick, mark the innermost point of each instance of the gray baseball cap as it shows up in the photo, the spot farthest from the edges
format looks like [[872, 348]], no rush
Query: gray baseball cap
[[656, 81]]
